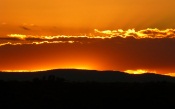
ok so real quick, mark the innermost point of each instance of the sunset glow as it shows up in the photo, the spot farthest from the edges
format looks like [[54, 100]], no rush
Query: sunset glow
[[82, 52], [170, 74], [87, 53], [129, 35], [139, 71]]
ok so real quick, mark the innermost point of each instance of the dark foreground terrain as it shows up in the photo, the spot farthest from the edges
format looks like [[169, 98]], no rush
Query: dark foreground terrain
[[53, 92]]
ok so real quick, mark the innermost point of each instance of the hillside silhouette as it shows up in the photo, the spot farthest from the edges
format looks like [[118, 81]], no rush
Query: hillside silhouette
[[85, 89], [76, 75]]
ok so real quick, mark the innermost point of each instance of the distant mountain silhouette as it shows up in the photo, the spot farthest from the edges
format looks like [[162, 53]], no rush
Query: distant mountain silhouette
[[75, 75], [85, 89]]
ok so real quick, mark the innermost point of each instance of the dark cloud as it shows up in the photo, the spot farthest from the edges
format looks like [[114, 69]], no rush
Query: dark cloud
[[25, 28]]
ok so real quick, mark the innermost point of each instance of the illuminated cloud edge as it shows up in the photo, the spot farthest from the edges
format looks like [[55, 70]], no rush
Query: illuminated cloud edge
[[19, 39]]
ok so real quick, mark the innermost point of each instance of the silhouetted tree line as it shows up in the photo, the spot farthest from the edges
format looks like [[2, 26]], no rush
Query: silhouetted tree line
[[56, 93], [50, 78]]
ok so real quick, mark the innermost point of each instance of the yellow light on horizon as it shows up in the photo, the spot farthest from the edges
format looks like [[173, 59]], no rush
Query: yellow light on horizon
[[170, 74], [139, 71]]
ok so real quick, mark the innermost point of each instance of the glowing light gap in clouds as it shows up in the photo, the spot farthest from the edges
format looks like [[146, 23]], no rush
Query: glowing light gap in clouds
[[19, 39]]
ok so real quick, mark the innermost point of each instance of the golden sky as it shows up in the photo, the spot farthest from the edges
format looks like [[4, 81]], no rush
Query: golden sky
[[89, 34], [86, 14]]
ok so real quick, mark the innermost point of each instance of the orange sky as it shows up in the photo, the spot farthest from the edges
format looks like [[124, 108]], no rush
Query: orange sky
[[149, 49], [100, 54], [51, 15]]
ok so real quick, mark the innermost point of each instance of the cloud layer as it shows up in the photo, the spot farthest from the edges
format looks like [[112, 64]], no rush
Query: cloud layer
[[19, 39]]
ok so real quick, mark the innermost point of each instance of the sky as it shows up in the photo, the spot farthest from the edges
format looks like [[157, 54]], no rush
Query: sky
[[124, 35]]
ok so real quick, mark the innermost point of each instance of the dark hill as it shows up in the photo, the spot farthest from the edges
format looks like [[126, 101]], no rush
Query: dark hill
[[86, 76], [92, 90]]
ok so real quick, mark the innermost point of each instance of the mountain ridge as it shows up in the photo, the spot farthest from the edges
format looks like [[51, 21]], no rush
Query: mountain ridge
[[82, 75]]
